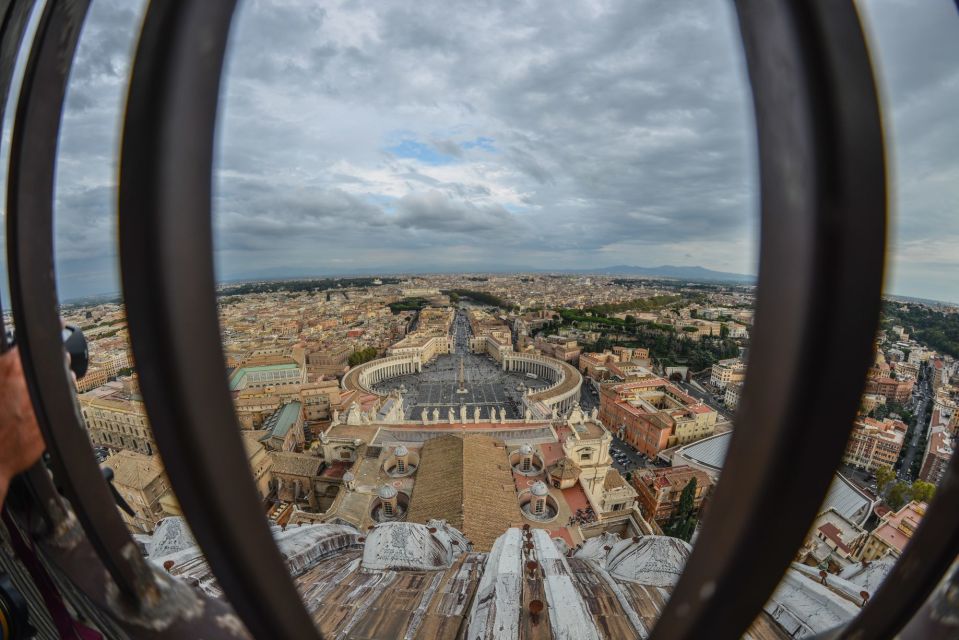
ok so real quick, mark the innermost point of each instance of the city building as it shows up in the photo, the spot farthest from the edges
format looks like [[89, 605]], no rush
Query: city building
[[659, 490], [724, 372], [733, 392], [894, 390], [140, 481], [832, 542], [709, 455], [874, 443], [893, 533], [653, 414], [116, 417], [284, 428], [940, 447]]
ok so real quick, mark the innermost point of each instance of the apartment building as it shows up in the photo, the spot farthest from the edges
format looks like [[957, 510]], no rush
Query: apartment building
[[893, 533], [724, 372], [652, 414], [874, 443], [116, 418], [659, 490]]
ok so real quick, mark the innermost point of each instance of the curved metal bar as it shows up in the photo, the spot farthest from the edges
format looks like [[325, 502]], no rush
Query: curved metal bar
[[14, 16], [34, 295], [13, 24], [168, 283], [821, 265], [933, 548]]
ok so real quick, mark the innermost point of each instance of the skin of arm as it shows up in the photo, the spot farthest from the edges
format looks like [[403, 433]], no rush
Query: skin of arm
[[21, 443]]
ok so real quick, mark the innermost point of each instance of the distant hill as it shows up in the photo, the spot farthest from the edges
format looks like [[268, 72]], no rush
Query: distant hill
[[674, 272]]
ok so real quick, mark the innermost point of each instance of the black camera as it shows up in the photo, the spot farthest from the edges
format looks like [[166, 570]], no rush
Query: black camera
[[75, 344], [14, 615]]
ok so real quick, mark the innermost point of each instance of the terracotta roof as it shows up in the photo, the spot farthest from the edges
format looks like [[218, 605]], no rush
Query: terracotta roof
[[132, 469], [564, 468], [613, 480], [296, 464], [472, 470]]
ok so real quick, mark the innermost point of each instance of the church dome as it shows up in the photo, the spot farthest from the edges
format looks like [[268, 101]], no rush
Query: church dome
[[539, 489], [401, 451], [386, 492]]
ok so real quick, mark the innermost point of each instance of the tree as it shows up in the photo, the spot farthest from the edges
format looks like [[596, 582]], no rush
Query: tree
[[897, 495], [884, 475], [683, 523], [922, 491], [723, 331]]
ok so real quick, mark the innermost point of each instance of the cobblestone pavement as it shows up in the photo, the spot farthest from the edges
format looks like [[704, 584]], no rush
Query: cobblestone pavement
[[486, 385]]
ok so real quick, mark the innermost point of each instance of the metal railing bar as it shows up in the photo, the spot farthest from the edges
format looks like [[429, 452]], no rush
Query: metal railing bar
[[169, 287], [34, 294], [821, 263]]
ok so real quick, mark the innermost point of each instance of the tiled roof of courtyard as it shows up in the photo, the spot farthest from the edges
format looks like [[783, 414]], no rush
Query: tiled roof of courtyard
[[296, 464], [458, 471]]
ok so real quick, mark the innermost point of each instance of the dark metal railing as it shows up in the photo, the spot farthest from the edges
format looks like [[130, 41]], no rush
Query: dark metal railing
[[821, 264], [166, 255]]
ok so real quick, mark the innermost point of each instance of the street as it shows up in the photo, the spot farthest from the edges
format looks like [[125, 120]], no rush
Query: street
[[921, 393], [720, 408]]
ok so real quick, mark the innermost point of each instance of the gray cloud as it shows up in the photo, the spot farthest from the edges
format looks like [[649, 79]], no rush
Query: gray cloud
[[363, 135]]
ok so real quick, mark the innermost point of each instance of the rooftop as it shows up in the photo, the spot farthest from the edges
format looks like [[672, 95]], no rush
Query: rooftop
[[470, 470]]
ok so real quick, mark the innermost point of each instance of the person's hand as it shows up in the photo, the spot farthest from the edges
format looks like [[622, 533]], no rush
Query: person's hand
[[21, 443]]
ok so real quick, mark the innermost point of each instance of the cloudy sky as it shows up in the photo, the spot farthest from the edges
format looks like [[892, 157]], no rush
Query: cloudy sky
[[418, 136]]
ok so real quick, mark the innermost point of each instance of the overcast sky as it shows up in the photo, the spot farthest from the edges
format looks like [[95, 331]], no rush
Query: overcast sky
[[483, 135]]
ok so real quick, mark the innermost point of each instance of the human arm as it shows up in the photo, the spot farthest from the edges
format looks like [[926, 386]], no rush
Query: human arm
[[21, 443]]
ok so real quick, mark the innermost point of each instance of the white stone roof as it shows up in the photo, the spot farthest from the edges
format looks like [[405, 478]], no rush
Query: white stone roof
[[651, 560], [868, 576], [592, 548], [409, 545], [170, 536], [847, 500], [569, 617], [803, 606], [496, 613]]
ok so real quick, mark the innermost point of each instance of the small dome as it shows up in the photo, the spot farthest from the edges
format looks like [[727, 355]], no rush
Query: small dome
[[401, 451], [348, 477], [386, 492], [539, 489], [525, 450]]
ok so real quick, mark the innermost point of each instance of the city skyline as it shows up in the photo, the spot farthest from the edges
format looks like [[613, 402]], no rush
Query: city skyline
[[453, 139]]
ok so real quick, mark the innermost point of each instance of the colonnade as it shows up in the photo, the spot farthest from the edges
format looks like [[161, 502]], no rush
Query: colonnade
[[386, 370], [556, 372]]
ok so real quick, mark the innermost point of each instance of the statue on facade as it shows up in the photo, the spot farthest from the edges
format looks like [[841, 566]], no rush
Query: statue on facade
[[436, 414], [336, 416], [476, 414], [463, 413], [451, 416], [502, 415], [528, 415], [424, 416]]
